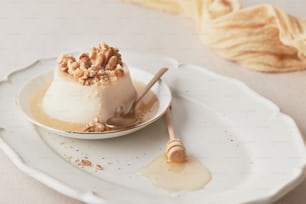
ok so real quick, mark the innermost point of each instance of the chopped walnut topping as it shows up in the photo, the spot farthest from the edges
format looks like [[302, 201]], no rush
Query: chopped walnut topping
[[119, 72], [91, 67]]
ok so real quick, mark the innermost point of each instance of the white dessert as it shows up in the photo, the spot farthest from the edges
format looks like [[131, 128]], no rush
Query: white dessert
[[99, 96], [70, 101]]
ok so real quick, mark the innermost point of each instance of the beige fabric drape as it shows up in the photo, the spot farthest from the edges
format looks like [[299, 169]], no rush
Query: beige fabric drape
[[261, 38]]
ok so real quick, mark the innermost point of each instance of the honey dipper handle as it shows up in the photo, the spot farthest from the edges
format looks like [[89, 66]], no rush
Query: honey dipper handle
[[175, 148], [169, 120], [151, 83]]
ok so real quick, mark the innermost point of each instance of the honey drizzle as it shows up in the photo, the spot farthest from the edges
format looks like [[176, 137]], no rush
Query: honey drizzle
[[188, 176], [146, 109]]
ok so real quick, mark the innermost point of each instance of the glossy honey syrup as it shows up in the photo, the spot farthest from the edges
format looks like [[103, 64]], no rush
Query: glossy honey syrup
[[145, 110], [188, 176]]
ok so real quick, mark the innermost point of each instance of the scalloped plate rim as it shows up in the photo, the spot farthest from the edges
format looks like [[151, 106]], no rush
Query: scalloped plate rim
[[92, 198]]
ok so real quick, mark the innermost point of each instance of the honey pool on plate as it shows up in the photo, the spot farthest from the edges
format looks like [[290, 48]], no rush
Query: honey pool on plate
[[187, 176], [145, 110]]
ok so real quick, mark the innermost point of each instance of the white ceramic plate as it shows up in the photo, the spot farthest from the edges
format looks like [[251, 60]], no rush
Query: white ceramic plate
[[255, 153], [160, 89]]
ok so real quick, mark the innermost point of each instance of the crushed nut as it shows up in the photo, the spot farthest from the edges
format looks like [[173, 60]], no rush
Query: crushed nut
[[119, 72], [90, 67], [84, 57], [94, 126], [99, 167], [112, 63], [85, 162]]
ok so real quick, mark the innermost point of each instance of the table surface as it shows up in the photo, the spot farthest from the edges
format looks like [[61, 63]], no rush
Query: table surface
[[35, 29]]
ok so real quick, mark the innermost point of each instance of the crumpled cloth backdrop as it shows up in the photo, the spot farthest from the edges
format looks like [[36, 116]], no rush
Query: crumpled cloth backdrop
[[261, 38]]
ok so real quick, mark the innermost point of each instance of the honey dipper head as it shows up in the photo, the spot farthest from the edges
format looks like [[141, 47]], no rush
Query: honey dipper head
[[176, 151]]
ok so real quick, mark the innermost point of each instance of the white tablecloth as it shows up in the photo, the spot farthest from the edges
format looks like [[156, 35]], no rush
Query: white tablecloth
[[35, 29]]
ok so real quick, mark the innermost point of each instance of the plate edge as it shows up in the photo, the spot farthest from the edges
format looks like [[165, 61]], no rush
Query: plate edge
[[298, 177], [45, 178], [92, 198]]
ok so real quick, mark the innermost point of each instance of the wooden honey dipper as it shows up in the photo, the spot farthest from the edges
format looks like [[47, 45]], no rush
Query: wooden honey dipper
[[175, 149]]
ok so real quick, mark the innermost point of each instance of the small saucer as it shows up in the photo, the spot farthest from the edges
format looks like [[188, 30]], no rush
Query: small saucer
[[160, 89]]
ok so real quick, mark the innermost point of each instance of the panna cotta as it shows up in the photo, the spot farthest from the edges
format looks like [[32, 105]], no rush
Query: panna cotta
[[90, 89]]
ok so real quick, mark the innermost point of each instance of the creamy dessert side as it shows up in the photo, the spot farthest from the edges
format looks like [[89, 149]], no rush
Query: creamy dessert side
[[89, 90]]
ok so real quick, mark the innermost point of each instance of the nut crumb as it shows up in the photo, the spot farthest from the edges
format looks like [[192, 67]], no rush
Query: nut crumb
[[94, 126], [90, 67], [85, 162], [99, 167]]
